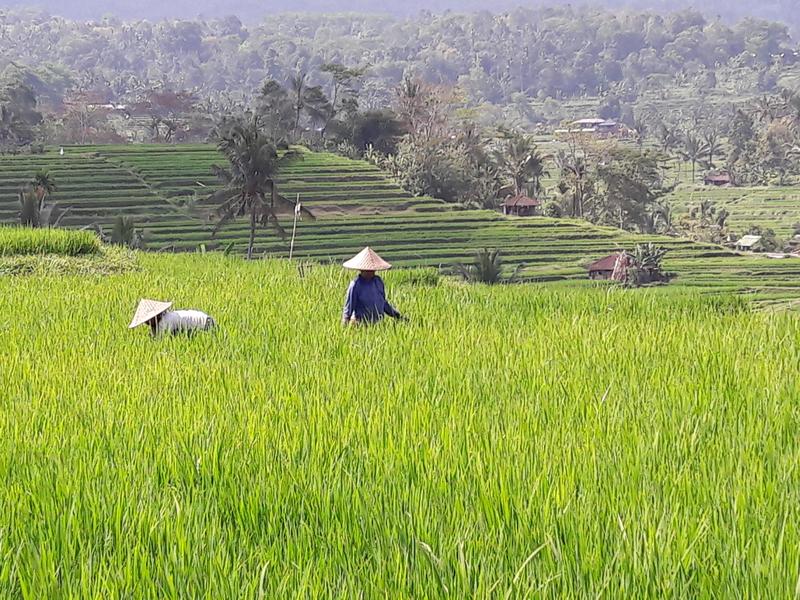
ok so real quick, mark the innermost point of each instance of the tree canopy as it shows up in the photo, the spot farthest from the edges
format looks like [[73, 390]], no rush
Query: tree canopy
[[498, 58]]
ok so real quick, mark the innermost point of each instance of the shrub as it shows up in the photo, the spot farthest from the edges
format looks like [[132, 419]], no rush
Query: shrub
[[423, 277], [25, 241], [645, 265], [487, 267], [553, 210]]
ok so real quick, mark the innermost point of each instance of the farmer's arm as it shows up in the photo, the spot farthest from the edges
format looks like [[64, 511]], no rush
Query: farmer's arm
[[388, 309], [349, 303]]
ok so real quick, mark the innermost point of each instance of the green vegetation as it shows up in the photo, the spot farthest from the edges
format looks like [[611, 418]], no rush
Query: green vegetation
[[164, 188], [110, 261], [513, 440], [507, 60], [23, 241]]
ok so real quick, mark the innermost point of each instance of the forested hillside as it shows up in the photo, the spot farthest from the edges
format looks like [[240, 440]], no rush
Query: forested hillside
[[546, 53], [783, 10]]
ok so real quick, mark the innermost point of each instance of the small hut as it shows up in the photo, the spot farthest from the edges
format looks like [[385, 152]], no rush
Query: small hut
[[604, 268], [722, 179], [521, 206], [749, 243]]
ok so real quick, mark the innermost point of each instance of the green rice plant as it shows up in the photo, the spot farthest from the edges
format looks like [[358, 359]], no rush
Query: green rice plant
[[516, 441], [22, 241]]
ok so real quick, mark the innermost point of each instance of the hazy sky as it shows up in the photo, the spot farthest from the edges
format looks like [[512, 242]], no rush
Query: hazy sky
[[255, 9]]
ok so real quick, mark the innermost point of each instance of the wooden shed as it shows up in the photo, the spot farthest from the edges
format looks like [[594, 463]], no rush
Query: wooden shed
[[521, 206], [718, 179], [604, 268]]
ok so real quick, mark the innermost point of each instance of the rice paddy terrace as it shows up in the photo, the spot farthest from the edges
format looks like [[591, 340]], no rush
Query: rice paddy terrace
[[777, 208], [163, 189]]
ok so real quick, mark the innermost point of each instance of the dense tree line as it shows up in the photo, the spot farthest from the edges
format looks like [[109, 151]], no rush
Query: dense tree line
[[545, 53], [251, 10]]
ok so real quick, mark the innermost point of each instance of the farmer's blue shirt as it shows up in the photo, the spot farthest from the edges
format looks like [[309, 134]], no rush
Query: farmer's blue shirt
[[367, 301]]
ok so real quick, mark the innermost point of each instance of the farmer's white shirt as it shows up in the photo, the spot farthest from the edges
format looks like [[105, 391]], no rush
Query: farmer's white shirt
[[183, 320]]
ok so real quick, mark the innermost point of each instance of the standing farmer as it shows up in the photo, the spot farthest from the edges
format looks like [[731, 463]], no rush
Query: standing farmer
[[163, 320], [366, 297]]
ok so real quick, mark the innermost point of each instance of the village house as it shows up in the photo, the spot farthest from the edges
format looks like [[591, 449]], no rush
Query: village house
[[749, 243], [598, 128], [721, 179], [604, 268], [521, 206]]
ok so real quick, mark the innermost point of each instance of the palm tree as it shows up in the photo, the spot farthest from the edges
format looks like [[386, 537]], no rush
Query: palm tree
[[575, 173], [640, 127], [308, 99], [668, 138], [703, 212], [711, 145], [486, 267], [521, 165], [36, 212], [249, 182], [28, 208], [43, 184], [659, 218], [722, 218], [693, 151], [123, 232], [764, 110]]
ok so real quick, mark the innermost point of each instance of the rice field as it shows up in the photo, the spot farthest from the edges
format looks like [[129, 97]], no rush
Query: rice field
[[520, 441], [163, 188], [18, 241]]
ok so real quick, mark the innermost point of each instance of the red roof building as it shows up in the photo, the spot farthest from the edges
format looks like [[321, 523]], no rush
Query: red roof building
[[718, 179], [521, 206], [604, 268]]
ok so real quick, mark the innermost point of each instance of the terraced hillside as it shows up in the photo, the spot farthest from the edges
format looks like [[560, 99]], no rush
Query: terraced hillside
[[777, 208], [95, 189], [163, 188]]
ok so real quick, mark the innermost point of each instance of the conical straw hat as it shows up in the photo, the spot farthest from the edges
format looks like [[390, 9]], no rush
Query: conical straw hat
[[367, 260], [148, 309]]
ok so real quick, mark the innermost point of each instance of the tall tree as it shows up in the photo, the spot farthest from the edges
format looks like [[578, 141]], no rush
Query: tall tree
[[521, 165], [250, 186], [631, 190], [577, 180], [424, 108], [308, 100], [19, 117], [693, 151], [43, 184], [344, 87], [275, 111], [712, 145]]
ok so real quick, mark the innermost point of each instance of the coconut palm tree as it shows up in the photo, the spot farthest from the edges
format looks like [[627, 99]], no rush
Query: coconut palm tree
[[35, 211], [693, 151], [658, 218], [640, 128], [43, 184], [575, 176], [711, 145], [521, 165], [123, 232], [249, 186], [308, 99], [668, 138], [487, 267], [764, 109]]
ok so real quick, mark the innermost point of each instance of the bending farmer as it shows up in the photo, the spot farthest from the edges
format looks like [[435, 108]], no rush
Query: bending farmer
[[366, 297], [163, 320]]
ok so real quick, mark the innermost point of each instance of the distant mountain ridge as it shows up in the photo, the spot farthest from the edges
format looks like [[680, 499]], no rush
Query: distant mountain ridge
[[786, 11]]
